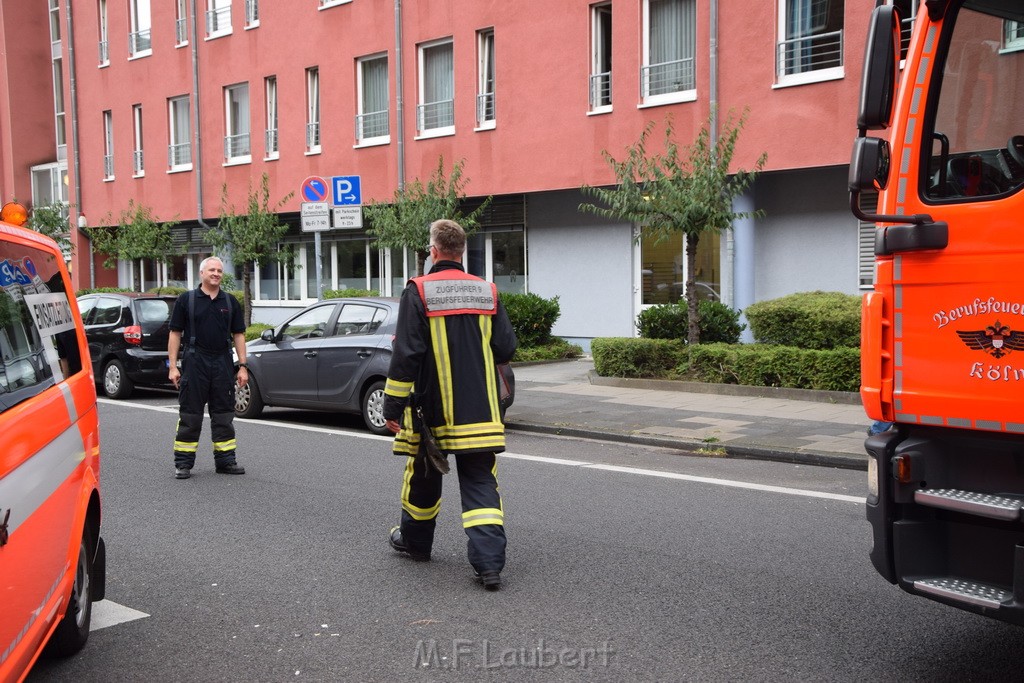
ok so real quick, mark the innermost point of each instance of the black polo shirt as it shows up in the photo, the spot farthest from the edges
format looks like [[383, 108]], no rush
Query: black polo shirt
[[212, 333]]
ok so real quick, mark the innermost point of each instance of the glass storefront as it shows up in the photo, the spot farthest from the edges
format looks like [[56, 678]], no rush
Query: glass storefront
[[663, 268]]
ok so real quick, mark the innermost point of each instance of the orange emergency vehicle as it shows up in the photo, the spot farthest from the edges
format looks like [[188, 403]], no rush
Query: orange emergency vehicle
[[52, 558], [943, 331]]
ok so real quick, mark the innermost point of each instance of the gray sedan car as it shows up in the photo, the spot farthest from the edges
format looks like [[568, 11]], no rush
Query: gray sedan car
[[333, 356]]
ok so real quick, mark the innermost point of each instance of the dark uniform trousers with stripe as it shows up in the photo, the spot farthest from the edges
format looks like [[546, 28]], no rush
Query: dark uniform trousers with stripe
[[482, 516], [206, 380]]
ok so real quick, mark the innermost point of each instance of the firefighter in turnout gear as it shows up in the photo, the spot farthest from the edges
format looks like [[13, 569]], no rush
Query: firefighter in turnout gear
[[452, 331], [210, 321]]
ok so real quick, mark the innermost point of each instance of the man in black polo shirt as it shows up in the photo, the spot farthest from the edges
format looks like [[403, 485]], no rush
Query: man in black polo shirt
[[210, 320]]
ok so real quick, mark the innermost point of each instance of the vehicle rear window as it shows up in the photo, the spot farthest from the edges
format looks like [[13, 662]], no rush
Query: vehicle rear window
[[38, 340], [154, 310]]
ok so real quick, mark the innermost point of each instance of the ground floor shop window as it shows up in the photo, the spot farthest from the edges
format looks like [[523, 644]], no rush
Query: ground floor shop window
[[663, 268], [499, 256]]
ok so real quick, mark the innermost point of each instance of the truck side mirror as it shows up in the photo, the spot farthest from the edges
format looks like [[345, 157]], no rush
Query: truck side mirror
[[869, 164], [881, 70]]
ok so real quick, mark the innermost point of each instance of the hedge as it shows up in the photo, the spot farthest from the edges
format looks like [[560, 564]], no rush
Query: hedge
[[809, 320]]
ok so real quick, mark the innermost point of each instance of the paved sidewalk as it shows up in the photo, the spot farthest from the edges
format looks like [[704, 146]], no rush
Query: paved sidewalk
[[567, 397]]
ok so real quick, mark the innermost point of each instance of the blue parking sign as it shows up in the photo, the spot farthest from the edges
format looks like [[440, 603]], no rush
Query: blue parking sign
[[346, 190]]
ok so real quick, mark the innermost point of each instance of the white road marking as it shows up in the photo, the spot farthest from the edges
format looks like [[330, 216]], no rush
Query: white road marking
[[106, 613]]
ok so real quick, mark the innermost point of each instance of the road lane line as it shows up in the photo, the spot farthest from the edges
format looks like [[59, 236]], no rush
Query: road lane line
[[106, 613]]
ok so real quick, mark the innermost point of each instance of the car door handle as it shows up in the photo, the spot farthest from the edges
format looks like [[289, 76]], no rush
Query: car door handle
[[364, 353], [310, 354]]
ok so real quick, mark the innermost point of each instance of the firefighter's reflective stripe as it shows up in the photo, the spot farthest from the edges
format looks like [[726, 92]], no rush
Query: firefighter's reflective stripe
[[228, 445], [393, 387], [35, 614], [479, 436], [186, 446], [480, 516], [486, 325], [442, 359], [415, 512]]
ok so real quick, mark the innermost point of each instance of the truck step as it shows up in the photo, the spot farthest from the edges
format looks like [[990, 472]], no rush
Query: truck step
[[963, 590], [982, 504]]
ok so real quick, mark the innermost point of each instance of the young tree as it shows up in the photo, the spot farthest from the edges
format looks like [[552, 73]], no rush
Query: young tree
[[52, 220], [136, 236], [688, 190], [405, 222], [252, 237]]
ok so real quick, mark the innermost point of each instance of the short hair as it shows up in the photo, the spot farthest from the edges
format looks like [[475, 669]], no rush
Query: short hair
[[449, 237], [202, 264]]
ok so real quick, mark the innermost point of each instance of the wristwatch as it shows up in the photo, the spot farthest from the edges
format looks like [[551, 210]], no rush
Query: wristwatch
[[243, 365]]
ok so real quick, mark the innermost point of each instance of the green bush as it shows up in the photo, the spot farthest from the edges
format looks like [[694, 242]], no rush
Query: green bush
[[176, 291], [349, 293], [809, 320], [776, 366], [628, 357], [556, 349], [718, 322], [101, 290], [255, 330], [532, 317]]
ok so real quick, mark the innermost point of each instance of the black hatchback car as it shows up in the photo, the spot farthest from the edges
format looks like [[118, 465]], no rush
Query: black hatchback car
[[127, 335]]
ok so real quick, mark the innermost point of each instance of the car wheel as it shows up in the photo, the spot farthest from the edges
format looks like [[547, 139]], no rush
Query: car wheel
[[115, 380], [71, 633], [248, 403], [373, 409]]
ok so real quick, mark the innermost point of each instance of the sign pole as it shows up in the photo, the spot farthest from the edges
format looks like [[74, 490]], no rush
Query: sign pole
[[319, 267]]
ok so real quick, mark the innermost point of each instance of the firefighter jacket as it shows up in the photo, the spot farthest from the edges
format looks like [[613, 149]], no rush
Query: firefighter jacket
[[452, 331]]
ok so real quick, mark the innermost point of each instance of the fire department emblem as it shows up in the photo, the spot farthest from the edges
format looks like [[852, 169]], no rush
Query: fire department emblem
[[996, 340]]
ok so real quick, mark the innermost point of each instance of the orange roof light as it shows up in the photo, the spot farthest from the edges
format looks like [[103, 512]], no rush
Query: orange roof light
[[15, 213]]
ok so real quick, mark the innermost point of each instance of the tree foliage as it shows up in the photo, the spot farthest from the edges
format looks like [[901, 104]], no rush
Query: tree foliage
[[135, 236], [685, 189], [405, 221], [52, 220], [252, 237]]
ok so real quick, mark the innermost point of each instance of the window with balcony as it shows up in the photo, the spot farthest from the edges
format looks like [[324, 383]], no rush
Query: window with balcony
[[218, 18], [139, 37], [810, 46], [485, 79], [601, 57], [1013, 35], [372, 98], [108, 145], [104, 45], [138, 165], [312, 110], [181, 23], [435, 113], [179, 148], [236, 124], [252, 13], [270, 139], [668, 74], [907, 9]]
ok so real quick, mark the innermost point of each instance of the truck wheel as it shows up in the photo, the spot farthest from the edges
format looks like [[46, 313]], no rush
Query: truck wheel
[[373, 409], [70, 635], [115, 380], [248, 403]]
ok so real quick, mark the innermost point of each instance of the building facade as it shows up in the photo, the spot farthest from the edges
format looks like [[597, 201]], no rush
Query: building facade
[[181, 106]]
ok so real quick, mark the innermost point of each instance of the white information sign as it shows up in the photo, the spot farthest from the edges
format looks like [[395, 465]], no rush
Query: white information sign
[[348, 217], [316, 216]]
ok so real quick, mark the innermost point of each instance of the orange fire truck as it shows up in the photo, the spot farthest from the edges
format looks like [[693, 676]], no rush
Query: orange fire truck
[[943, 330]]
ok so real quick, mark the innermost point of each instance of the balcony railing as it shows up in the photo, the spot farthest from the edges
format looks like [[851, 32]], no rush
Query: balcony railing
[[372, 125], [435, 115], [252, 11], [270, 140], [179, 154], [108, 166], [104, 52], [810, 53], [667, 77], [181, 31], [137, 167], [484, 108], [313, 135], [218, 20], [139, 41], [236, 146], [601, 90]]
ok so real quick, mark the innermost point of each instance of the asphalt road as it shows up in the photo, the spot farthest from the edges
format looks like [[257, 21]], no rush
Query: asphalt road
[[625, 564]]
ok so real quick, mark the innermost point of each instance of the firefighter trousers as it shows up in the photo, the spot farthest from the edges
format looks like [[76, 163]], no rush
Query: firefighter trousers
[[206, 381], [482, 516]]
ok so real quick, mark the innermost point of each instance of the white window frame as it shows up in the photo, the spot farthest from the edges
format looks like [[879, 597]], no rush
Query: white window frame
[[218, 12], [600, 81], [237, 125], [1012, 44], [252, 14], [104, 37], [438, 131], [906, 27], [485, 80], [685, 95], [361, 102], [138, 159], [313, 130], [271, 141], [140, 29], [831, 73], [108, 145], [324, 4], [176, 111], [181, 23], [59, 109]]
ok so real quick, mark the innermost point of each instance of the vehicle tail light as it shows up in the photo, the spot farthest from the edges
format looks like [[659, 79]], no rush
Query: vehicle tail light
[[133, 335]]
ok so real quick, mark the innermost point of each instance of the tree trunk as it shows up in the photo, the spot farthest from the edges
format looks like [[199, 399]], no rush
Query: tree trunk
[[693, 312], [421, 262], [247, 293]]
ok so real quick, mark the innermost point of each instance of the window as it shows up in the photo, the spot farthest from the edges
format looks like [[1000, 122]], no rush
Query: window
[[485, 79], [498, 255], [1013, 35], [137, 161], [332, 3], [179, 150], [435, 115], [49, 184], [252, 13], [312, 110], [236, 123], [601, 57], [104, 45], [810, 41], [906, 9], [108, 145], [667, 74], [218, 18], [139, 42], [54, 21], [372, 83], [663, 268], [181, 23], [58, 109], [270, 142]]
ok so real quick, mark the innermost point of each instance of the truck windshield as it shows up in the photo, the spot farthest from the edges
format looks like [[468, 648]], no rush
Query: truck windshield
[[978, 133]]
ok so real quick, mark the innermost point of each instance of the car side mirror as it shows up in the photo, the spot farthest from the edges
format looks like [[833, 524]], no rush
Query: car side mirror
[[881, 70], [869, 164], [267, 335]]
